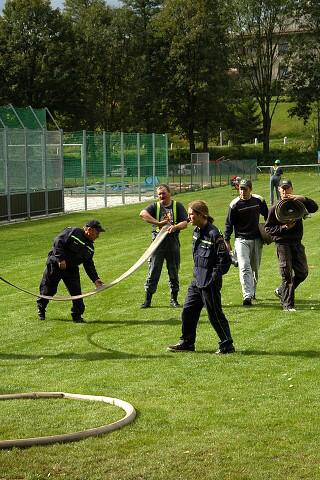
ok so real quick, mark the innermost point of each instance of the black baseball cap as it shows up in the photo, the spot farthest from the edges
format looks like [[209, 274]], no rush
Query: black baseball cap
[[285, 182], [96, 225], [246, 183]]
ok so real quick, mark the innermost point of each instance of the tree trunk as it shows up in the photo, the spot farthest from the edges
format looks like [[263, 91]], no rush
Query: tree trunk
[[205, 138], [192, 145], [266, 122]]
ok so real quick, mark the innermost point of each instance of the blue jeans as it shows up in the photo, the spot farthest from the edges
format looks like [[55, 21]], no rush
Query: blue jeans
[[274, 184]]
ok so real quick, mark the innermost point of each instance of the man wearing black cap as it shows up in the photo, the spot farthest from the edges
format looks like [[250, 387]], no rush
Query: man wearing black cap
[[243, 217], [71, 248], [290, 251]]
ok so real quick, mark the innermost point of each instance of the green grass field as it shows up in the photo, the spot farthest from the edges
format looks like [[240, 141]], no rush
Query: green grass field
[[285, 126], [248, 416]]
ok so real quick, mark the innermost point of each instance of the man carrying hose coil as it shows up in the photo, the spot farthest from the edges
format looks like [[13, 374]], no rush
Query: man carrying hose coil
[[290, 251]]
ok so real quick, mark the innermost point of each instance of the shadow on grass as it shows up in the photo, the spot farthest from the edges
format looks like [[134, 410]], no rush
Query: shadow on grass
[[289, 353], [301, 304], [166, 321], [256, 304], [108, 354]]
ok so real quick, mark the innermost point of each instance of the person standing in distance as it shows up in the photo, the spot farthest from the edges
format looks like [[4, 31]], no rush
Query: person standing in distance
[[290, 251], [211, 260], [243, 217], [165, 211], [71, 248], [275, 176]]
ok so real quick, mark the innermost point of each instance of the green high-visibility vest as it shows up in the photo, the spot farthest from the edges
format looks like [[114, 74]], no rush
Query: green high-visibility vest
[[174, 212]]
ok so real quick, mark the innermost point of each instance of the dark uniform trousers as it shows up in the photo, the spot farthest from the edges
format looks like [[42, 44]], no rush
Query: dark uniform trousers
[[49, 285], [293, 269], [168, 250], [196, 299]]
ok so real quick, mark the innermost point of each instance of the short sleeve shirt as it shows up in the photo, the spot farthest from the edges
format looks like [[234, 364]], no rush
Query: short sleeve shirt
[[181, 215]]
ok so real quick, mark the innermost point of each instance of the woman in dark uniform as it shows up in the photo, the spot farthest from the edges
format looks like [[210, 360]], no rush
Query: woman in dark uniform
[[211, 261]]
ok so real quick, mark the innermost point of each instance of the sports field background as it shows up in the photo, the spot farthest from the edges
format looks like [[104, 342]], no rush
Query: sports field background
[[248, 416]]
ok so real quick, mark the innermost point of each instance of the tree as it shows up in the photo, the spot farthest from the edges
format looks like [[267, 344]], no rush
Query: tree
[[303, 84], [36, 57], [90, 21], [147, 73], [244, 121], [195, 54], [259, 29]]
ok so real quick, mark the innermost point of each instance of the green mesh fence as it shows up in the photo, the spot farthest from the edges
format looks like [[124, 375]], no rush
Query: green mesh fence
[[127, 161], [23, 117]]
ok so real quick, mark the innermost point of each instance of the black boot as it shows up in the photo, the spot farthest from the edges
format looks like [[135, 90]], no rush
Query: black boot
[[147, 301], [174, 300], [41, 313]]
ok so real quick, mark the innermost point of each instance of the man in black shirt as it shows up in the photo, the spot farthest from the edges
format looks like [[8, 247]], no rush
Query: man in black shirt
[[243, 217], [72, 247], [290, 251], [165, 211]]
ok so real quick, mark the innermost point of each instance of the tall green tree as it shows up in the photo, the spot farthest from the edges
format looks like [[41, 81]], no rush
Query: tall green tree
[[196, 59], [106, 63], [147, 72], [90, 21], [303, 84], [259, 29], [36, 48], [244, 123]]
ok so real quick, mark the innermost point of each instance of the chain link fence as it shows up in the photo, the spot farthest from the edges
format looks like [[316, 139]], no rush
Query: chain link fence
[[47, 171], [204, 173], [31, 166], [103, 169]]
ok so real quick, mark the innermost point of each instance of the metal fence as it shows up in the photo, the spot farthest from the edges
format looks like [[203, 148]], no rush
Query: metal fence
[[31, 173], [204, 173], [44, 172], [102, 169]]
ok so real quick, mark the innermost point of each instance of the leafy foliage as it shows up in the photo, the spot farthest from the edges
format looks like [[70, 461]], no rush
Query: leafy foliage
[[259, 29], [304, 78], [196, 61], [36, 47], [155, 65]]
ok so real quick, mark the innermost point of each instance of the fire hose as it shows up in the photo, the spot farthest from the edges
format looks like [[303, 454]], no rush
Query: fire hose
[[59, 298]]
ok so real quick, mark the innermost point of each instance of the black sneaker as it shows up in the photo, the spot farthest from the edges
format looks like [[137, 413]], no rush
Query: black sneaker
[[277, 293], [247, 302], [174, 303], [181, 347], [78, 320], [41, 314], [145, 304], [225, 350]]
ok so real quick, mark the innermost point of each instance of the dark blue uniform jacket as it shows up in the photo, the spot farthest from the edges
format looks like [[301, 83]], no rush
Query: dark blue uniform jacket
[[75, 248], [210, 255]]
